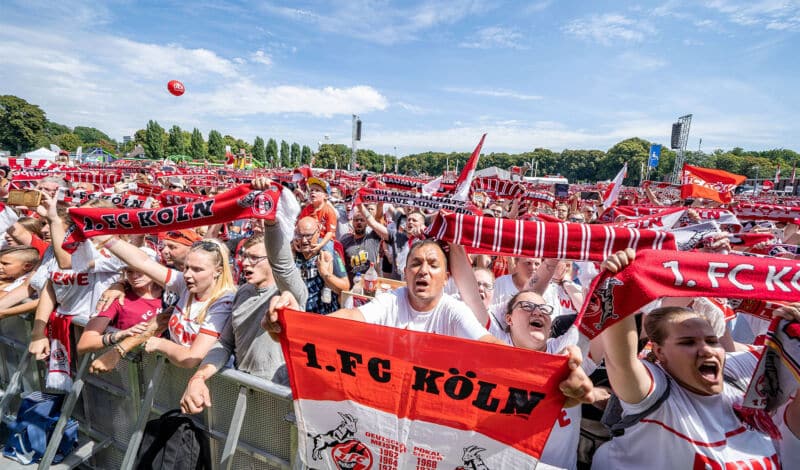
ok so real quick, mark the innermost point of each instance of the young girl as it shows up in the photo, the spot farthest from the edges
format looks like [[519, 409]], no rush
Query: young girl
[[141, 304], [202, 296]]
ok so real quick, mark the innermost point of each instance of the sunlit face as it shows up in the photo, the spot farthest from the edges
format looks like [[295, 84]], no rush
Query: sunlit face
[[306, 236], [359, 224], [527, 267], [529, 321], [562, 211], [426, 275], [415, 223], [200, 272], [485, 286], [692, 354], [48, 187], [10, 241], [11, 267], [317, 194], [174, 254], [255, 267], [137, 280], [46, 232]]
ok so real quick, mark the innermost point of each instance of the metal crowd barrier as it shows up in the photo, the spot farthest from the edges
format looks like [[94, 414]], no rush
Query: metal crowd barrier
[[250, 423]]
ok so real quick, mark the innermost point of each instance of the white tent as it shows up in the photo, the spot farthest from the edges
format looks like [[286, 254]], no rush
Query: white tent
[[41, 153]]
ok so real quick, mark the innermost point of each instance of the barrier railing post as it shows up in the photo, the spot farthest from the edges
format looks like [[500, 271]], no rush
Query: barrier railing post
[[15, 383], [144, 414], [234, 429], [66, 413]]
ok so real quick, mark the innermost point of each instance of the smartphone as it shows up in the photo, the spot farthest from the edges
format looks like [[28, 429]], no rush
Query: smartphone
[[590, 195], [24, 197]]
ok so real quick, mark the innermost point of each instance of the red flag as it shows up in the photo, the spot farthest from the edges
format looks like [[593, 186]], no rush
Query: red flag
[[716, 185], [612, 192], [390, 398], [464, 180]]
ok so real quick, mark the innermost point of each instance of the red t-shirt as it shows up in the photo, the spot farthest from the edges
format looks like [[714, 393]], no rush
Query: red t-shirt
[[135, 311], [326, 216]]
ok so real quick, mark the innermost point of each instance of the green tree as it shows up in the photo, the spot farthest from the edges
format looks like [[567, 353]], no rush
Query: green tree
[[90, 134], [154, 141], [175, 144], [305, 155], [54, 129], [230, 141], [197, 147], [21, 124], [68, 141], [216, 145], [139, 137], [285, 157], [272, 152], [295, 151], [633, 151], [259, 151]]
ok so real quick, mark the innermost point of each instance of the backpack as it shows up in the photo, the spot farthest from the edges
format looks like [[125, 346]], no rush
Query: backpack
[[173, 441], [31, 431]]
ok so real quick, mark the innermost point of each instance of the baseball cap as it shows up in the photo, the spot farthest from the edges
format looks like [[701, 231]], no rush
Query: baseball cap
[[185, 236], [324, 184]]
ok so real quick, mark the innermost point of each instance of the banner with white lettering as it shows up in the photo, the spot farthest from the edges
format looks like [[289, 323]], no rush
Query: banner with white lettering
[[238, 203], [399, 198], [655, 274], [373, 397]]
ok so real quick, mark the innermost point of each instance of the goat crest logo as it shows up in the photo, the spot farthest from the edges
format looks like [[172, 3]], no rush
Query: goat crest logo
[[347, 453], [601, 303], [472, 460], [262, 205]]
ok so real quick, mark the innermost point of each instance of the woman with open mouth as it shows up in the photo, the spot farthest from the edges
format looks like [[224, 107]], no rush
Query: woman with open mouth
[[678, 412]]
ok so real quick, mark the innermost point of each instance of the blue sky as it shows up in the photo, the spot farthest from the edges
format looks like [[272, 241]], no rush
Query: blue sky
[[422, 75]]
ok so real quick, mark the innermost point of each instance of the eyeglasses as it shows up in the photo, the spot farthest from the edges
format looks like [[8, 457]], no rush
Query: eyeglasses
[[253, 259], [531, 307], [488, 286], [305, 236]]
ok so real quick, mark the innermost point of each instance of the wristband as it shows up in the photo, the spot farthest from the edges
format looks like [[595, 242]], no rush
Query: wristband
[[120, 350]]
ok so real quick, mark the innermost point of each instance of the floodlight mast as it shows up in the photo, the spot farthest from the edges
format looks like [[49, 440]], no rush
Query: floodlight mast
[[685, 122]]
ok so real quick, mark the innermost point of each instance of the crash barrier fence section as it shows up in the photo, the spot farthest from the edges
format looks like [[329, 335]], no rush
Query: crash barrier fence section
[[250, 424]]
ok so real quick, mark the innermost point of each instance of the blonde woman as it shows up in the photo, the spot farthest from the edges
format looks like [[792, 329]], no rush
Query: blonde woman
[[202, 296]]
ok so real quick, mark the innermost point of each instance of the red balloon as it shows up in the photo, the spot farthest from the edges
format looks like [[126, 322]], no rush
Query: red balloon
[[175, 87]]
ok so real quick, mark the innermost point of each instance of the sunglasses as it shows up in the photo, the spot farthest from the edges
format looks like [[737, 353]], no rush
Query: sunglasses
[[174, 234], [205, 245], [531, 307]]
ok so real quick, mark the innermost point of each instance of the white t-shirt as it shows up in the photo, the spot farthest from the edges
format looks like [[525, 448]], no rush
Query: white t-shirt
[[183, 327], [450, 317], [789, 445], [689, 430], [77, 293], [561, 448]]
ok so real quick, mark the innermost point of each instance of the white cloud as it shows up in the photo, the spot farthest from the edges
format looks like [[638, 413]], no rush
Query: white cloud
[[771, 14], [637, 61], [259, 57], [535, 7], [494, 37], [412, 108], [609, 29], [497, 93], [379, 22]]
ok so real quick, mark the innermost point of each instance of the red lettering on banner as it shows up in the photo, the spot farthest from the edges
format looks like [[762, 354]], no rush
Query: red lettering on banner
[[702, 462]]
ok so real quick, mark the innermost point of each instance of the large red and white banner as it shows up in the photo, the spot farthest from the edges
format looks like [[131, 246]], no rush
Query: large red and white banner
[[373, 397]]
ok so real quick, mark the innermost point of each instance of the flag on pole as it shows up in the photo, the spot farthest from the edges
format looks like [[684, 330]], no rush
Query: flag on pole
[[612, 192], [778, 174], [716, 185], [794, 172], [464, 180]]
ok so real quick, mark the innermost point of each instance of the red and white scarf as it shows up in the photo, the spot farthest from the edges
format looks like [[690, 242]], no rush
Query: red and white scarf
[[240, 202], [398, 198], [490, 235], [59, 374]]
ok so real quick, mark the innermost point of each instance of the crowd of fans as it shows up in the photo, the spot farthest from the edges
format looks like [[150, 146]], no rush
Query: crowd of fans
[[209, 297]]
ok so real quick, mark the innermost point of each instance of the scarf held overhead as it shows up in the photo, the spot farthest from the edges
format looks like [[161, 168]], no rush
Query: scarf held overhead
[[513, 237], [655, 274], [390, 398], [397, 198], [239, 202]]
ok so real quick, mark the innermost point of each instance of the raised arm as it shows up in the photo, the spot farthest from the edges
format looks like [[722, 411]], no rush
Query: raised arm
[[462, 273], [629, 378], [136, 259], [374, 224]]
